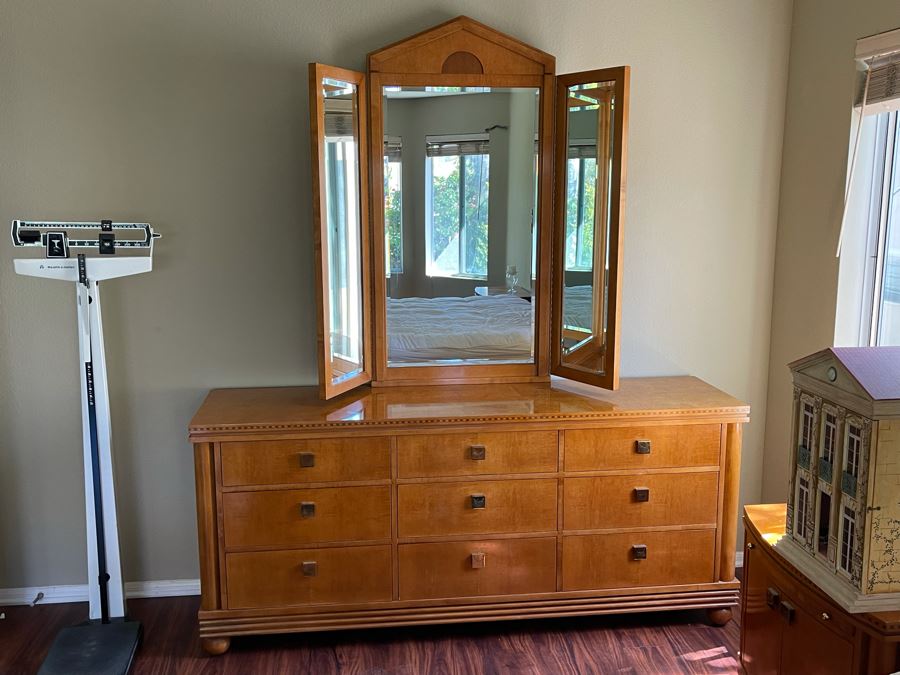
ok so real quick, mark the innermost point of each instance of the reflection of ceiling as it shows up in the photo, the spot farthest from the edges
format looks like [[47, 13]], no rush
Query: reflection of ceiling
[[429, 92]]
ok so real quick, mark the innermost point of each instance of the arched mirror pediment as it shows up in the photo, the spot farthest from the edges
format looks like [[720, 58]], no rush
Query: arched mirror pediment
[[478, 196]]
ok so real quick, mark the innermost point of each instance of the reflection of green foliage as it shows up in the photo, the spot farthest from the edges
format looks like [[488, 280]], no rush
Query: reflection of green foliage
[[393, 215], [445, 206], [581, 188]]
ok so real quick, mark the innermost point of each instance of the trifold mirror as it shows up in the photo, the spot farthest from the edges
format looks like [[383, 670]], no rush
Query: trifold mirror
[[474, 233]]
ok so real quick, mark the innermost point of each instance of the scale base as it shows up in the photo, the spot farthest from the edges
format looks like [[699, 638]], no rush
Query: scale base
[[93, 648]]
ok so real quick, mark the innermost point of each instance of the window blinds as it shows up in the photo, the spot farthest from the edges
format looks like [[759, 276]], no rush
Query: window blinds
[[393, 148], [453, 146], [883, 86], [339, 118]]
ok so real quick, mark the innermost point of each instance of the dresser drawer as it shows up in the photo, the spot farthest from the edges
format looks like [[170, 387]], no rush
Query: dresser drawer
[[477, 453], [645, 500], [323, 575], [484, 507], [470, 568], [613, 560], [308, 461], [660, 446], [296, 517]]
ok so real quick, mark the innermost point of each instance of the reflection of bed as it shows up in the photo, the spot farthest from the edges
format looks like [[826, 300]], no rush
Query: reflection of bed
[[497, 327], [577, 306]]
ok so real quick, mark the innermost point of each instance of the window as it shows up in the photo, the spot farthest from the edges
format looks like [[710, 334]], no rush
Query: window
[[802, 506], [457, 189], [824, 522], [828, 438], [807, 428], [393, 204], [854, 445], [848, 539], [581, 184]]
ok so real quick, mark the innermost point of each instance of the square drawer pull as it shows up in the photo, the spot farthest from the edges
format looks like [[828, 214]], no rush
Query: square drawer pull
[[477, 452], [773, 597], [639, 552], [307, 459], [310, 568], [642, 447], [478, 560], [478, 501], [307, 509], [641, 494], [787, 611]]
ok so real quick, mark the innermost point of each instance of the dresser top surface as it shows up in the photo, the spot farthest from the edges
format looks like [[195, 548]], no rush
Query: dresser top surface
[[297, 408]]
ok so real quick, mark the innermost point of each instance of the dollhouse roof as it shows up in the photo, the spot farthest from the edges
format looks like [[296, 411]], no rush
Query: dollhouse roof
[[877, 369]]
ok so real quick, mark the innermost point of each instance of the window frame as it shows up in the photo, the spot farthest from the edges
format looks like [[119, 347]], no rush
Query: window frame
[[847, 543]]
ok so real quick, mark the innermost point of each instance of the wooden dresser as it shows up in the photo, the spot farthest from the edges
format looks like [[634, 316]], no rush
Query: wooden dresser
[[416, 505], [788, 625]]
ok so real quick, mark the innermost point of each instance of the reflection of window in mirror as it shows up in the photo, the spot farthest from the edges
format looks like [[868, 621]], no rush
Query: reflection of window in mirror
[[393, 204], [457, 181]]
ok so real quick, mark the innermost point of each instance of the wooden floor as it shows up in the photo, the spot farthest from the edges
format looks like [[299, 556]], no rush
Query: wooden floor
[[666, 643]]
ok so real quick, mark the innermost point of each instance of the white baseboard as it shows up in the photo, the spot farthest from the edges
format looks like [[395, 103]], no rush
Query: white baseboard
[[133, 589], [79, 593]]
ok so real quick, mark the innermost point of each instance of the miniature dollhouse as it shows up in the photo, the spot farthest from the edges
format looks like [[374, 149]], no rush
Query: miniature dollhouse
[[843, 515]]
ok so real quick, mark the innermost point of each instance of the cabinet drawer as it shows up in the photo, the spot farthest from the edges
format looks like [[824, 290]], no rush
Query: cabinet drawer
[[608, 502], [311, 576], [469, 568], [477, 453], [292, 517], [617, 447], [309, 461], [427, 509], [612, 560]]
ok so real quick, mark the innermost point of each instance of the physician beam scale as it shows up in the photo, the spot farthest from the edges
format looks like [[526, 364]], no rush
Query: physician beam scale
[[85, 254]]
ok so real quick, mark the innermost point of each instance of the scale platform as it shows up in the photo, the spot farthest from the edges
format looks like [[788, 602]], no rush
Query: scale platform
[[93, 648]]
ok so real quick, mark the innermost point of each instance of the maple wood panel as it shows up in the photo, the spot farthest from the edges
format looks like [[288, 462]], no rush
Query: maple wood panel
[[326, 459], [617, 448], [608, 560], [277, 518], [428, 509], [508, 567], [277, 579], [477, 453], [607, 502]]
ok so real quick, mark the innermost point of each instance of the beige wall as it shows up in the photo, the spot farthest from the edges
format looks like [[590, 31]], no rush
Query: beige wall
[[816, 139], [193, 116]]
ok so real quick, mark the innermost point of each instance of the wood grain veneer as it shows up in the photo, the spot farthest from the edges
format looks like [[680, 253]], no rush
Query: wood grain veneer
[[428, 509], [275, 518], [607, 560], [446, 570], [501, 452], [394, 532], [333, 459]]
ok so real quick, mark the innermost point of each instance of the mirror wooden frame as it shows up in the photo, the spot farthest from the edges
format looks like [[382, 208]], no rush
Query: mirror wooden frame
[[465, 53]]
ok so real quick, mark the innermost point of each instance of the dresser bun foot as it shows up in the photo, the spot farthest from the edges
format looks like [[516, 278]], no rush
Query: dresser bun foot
[[719, 616], [215, 646]]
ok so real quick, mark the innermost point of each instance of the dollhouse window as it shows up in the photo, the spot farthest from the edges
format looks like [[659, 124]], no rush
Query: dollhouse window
[[854, 444], [848, 536], [802, 506], [806, 433], [828, 438], [824, 522]]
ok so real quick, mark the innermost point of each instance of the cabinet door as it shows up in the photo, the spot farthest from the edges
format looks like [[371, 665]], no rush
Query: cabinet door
[[809, 647], [761, 624], [340, 198], [591, 134]]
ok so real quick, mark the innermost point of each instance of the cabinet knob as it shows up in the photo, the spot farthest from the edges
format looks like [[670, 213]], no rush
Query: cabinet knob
[[307, 460], [639, 552], [477, 452], [641, 494], [478, 560], [642, 447], [307, 509], [826, 616], [310, 568], [751, 545], [478, 501]]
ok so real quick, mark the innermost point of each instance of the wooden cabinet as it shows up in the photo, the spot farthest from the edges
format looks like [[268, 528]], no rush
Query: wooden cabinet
[[788, 625], [406, 506]]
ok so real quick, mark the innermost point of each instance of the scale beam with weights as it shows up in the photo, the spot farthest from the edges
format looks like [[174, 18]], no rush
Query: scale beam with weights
[[106, 643]]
